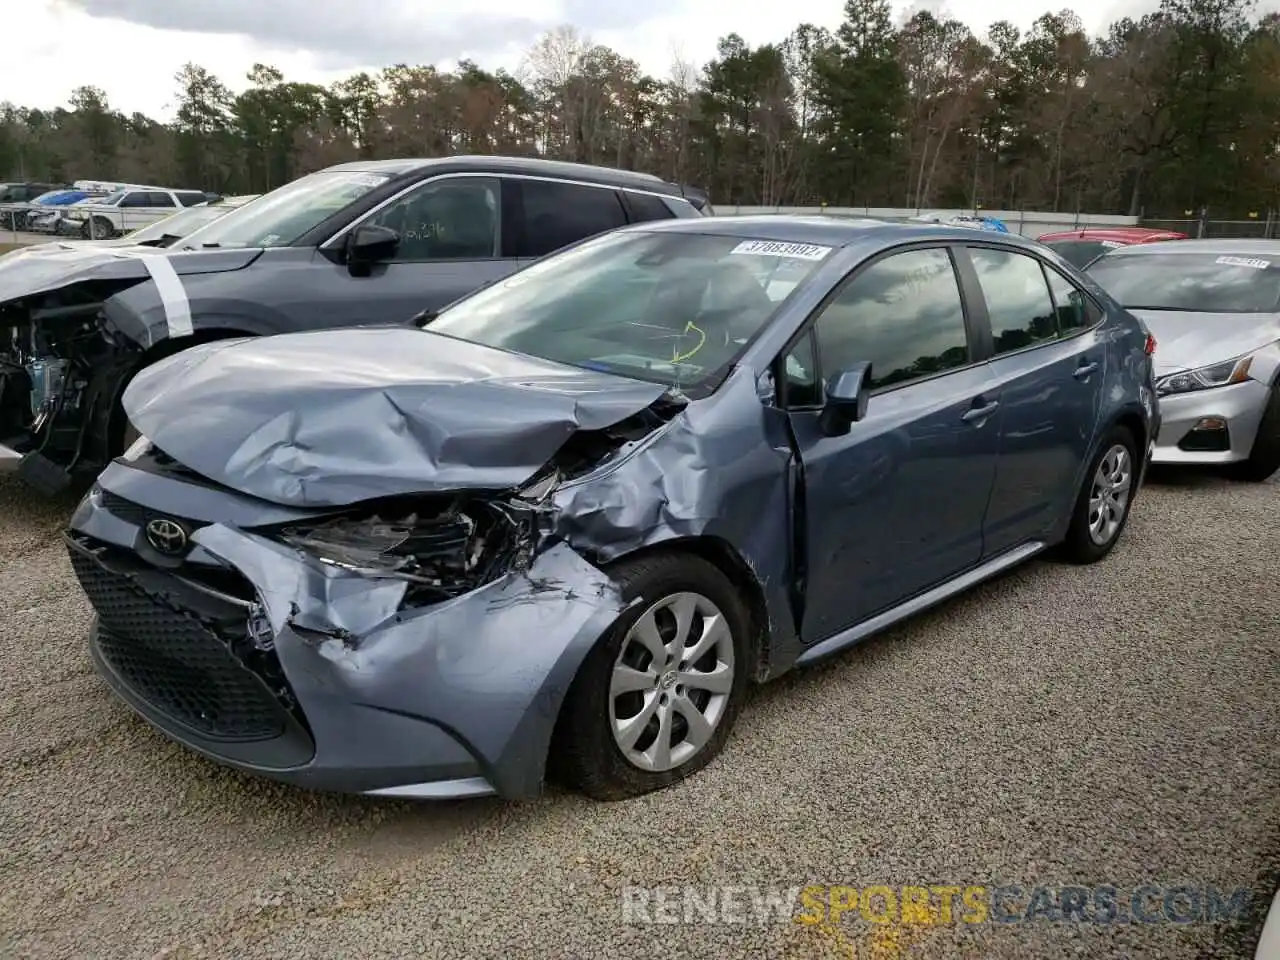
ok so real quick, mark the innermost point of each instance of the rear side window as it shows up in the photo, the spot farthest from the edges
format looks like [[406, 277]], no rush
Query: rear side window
[[1198, 282], [1018, 301], [157, 198], [645, 206], [903, 315], [558, 214], [1075, 310]]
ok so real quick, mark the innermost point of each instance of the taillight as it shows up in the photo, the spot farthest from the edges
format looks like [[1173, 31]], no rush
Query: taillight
[[1150, 346]]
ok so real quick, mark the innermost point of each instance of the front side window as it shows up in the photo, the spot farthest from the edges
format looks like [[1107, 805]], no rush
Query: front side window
[[281, 217], [131, 200], [671, 308], [557, 214], [1017, 296], [903, 315], [1196, 282], [455, 218]]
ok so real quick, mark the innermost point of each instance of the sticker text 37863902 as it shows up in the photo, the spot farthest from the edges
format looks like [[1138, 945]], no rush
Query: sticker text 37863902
[[776, 248]]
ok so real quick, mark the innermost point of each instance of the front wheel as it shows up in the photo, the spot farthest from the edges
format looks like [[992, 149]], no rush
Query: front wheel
[[655, 700], [98, 228], [1102, 506], [1264, 458]]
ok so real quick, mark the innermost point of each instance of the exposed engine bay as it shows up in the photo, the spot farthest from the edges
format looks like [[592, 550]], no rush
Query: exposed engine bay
[[61, 372]]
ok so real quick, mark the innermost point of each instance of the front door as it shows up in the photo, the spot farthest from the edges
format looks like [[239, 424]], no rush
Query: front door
[[895, 506], [450, 245]]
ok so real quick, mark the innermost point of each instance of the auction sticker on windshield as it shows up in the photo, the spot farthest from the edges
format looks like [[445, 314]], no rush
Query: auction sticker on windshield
[[1253, 262], [775, 248]]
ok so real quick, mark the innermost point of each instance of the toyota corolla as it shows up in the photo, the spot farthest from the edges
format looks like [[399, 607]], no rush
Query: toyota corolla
[[560, 526]]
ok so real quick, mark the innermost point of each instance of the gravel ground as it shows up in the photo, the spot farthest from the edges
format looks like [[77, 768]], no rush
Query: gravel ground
[[1112, 724]]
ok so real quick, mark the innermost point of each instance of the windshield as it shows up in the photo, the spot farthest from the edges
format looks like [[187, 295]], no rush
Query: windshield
[[279, 218], [671, 308], [181, 224], [110, 200], [1199, 282]]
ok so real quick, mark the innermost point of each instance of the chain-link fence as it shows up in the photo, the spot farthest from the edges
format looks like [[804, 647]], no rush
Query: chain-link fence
[[1263, 227]]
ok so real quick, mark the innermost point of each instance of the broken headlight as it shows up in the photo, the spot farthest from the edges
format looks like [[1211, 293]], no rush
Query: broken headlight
[[441, 554], [407, 549]]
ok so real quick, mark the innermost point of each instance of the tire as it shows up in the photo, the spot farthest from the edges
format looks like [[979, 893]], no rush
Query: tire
[[1086, 540], [587, 755], [98, 228], [1264, 458]]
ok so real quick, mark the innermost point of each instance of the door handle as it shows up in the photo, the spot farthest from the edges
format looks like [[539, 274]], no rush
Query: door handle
[[1085, 369], [980, 413]]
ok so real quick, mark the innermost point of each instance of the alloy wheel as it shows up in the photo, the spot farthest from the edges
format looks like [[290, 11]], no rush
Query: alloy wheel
[[671, 682], [1109, 495]]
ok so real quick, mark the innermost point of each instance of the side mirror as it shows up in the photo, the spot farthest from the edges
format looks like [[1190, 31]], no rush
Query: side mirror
[[846, 401], [370, 244]]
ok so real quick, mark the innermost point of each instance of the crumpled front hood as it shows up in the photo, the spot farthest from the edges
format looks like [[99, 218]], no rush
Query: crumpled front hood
[[1185, 341], [35, 272], [330, 418]]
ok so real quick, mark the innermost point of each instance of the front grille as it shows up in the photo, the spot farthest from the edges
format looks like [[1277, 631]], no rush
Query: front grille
[[177, 662], [138, 515]]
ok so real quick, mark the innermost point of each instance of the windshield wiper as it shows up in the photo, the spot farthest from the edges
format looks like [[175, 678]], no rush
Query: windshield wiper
[[424, 318]]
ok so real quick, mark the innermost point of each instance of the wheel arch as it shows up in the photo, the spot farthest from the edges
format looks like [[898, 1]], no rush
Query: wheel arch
[[724, 557]]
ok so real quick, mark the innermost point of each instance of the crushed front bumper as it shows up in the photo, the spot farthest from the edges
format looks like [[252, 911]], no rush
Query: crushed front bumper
[[268, 662], [1211, 426]]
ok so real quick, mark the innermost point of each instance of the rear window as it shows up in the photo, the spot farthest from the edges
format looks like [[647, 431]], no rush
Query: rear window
[[1079, 252], [1200, 282]]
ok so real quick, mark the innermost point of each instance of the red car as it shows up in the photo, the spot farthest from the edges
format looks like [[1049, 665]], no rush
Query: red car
[[1079, 247]]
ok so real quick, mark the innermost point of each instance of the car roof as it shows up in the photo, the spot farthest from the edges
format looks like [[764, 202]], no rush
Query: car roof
[[533, 166], [1202, 247], [1121, 234], [828, 230]]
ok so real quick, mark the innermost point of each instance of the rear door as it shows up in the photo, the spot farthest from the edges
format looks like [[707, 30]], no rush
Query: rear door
[[895, 506], [1048, 359]]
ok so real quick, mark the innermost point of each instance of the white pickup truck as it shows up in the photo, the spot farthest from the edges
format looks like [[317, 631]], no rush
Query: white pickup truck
[[129, 208]]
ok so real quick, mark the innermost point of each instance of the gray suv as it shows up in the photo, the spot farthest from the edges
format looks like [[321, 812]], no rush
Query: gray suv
[[370, 242]]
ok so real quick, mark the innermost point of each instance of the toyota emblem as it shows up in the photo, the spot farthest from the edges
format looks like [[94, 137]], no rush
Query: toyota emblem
[[167, 536]]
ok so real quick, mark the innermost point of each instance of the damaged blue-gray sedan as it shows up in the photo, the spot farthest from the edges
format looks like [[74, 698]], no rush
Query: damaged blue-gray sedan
[[560, 527]]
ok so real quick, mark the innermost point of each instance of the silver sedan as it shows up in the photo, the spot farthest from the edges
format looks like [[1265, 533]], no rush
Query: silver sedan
[[1213, 307]]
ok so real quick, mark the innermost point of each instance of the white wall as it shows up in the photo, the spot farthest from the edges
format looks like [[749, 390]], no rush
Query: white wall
[[1029, 223]]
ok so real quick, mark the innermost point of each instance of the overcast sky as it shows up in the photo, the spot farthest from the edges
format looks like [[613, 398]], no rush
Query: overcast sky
[[133, 48]]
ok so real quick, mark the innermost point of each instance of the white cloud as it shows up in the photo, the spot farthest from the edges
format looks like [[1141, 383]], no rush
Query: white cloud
[[133, 48]]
